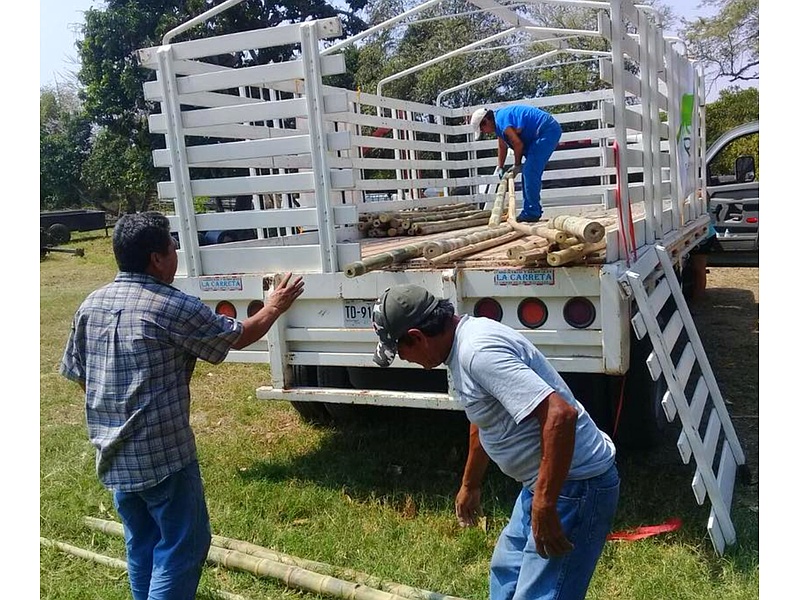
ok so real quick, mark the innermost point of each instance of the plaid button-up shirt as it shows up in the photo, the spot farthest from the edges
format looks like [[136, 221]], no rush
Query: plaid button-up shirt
[[134, 344]]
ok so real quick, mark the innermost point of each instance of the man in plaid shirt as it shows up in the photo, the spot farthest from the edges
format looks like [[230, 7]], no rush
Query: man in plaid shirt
[[133, 347]]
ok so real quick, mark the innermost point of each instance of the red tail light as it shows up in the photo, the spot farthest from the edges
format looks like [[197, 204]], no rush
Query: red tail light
[[532, 313], [751, 219], [226, 308], [488, 307], [579, 312], [254, 307]]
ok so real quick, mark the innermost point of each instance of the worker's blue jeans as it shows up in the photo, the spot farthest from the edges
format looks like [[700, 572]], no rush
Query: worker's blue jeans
[[167, 536], [536, 158], [586, 509]]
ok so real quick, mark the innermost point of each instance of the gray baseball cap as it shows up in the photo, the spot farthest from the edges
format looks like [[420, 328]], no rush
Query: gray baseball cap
[[399, 309]]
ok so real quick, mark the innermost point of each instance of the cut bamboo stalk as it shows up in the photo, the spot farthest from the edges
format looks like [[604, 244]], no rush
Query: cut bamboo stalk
[[570, 241], [515, 252], [447, 216], [476, 247], [438, 247], [437, 227], [534, 254], [115, 563], [499, 198], [586, 229], [550, 234], [291, 575], [566, 256], [384, 259]]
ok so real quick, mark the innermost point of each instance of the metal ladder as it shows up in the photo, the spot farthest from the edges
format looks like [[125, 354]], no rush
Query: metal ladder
[[707, 431]]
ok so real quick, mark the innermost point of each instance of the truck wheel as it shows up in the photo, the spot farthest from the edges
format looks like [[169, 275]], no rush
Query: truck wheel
[[313, 413], [59, 233], [337, 377], [640, 421]]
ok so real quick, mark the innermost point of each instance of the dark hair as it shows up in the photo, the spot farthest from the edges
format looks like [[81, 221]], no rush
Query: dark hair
[[138, 235], [436, 322], [489, 115]]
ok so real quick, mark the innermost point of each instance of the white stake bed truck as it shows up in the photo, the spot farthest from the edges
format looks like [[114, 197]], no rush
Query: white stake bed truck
[[618, 329]]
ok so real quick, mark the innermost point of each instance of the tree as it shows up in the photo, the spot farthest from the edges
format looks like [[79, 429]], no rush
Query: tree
[[727, 43], [64, 141], [734, 107], [113, 81]]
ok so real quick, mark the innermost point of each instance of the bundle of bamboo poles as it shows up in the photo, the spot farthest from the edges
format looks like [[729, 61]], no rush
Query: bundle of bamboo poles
[[294, 572], [563, 240], [421, 221]]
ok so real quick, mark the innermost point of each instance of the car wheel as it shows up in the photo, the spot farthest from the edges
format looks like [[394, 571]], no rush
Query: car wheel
[[59, 233]]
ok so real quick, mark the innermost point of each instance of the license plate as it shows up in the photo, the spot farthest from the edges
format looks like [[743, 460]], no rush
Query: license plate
[[358, 313]]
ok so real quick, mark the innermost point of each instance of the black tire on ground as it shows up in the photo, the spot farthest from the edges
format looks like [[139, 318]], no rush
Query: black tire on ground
[[337, 377], [313, 413], [639, 419], [59, 233]]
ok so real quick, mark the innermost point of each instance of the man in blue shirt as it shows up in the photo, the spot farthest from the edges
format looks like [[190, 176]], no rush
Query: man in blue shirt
[[533, 134], [132, 348], [524, 418]]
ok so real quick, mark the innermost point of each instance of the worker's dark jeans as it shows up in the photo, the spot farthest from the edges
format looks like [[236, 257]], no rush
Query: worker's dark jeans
[[167, 536]]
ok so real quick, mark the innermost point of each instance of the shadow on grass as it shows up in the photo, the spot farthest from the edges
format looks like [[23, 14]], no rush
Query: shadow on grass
[[393, 453]]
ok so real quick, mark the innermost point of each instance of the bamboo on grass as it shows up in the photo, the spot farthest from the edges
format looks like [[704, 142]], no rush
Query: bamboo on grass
[[114, 528], [114, 563]]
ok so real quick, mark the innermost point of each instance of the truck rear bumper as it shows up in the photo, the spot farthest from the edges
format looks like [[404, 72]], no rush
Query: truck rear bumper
[[366, 397]]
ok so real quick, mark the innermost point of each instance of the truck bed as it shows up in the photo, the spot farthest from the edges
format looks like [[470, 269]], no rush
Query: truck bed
[[497, 256]]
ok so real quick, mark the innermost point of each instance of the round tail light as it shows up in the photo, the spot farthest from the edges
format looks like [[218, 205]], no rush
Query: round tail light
[[532, 313], [579, 312], [226, 308], [254, 307], [489, 308]]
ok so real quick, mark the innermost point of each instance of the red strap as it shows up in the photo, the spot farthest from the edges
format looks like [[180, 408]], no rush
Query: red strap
[[639, 533]]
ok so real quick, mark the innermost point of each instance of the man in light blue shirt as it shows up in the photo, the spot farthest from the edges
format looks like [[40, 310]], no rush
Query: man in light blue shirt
[[533, 134], [524, 418]]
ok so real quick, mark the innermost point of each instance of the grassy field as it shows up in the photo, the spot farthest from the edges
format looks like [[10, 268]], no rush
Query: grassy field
[[377, 496]]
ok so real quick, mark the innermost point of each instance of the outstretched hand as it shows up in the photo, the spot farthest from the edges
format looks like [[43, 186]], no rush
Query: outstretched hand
[[285, 293]]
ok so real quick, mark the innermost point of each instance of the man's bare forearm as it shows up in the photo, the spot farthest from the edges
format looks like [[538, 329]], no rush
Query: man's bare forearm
[[477, 461]]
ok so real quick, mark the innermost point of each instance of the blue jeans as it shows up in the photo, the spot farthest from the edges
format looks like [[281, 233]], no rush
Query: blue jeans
[[586, 509], [536, 158], [167, 536]]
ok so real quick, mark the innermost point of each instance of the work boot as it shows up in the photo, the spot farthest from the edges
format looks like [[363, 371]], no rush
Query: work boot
[[523, 218]]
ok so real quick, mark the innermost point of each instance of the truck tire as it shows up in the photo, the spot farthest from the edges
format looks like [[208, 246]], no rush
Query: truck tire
[[341, 413], [313, 413], [639, 420], [59, 233]]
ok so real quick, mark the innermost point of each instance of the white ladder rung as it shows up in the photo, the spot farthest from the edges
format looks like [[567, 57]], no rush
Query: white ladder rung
[[695, 414]]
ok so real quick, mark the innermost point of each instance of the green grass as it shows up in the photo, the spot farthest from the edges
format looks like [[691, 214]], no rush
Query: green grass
[[376, 497]]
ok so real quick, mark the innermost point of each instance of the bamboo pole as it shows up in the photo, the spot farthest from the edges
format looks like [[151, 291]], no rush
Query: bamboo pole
[[294, 572], [588, 230], [499, 197], [438, 227], [476, 247], [114, 563], [548, 233], [515, 252], [437, 247], [533, 255], [384, 259], [563, 257]]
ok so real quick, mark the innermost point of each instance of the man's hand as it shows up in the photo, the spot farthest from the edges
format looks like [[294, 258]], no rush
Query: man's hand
[[468, 506], [285, 293], [516, 169], [547, 532], [499, 172]]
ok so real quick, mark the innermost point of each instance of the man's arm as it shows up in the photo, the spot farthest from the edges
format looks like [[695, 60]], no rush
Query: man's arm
[[282, 297], [502, 152], [468, 499], [557, 419], [516, 144]]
